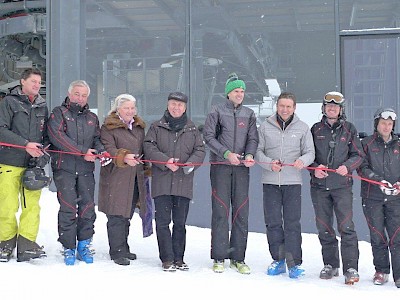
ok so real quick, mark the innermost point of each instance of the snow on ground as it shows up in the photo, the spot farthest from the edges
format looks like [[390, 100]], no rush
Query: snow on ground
[[49, 278]]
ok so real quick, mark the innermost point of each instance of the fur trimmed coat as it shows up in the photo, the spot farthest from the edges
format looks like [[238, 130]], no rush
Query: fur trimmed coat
[[117, 179]]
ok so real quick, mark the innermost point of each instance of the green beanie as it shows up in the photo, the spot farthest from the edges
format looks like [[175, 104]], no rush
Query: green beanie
[[233, 82]]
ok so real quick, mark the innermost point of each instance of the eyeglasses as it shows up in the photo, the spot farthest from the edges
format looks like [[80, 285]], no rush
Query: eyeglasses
[[336, 98], [388, 114]]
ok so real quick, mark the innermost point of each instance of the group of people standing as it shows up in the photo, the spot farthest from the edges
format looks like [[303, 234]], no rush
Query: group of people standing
[[72, 136], [171, 150], [332, 151]]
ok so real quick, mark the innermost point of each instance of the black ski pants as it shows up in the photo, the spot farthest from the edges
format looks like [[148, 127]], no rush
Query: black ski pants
[[76, 215], [230, 206], [340, 202], [383, 219], [282, 213]]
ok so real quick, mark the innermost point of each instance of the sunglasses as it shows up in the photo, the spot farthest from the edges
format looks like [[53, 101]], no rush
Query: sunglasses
[[388, 114], [329, 98]]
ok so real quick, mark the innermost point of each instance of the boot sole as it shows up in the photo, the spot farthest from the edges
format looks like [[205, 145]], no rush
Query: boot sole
[[379, 282], [274, 273], [218, 269], [81, 258], [131, 256], [329, 277], [28, 257], [122, 262], [5, 259], [351, 281], [239, 270], [86, 261], [6, 255]]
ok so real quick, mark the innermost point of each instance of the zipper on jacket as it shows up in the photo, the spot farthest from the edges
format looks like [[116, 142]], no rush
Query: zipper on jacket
[[175, 143], [234, 129], [280, 156], [331, 153], [31, 111]]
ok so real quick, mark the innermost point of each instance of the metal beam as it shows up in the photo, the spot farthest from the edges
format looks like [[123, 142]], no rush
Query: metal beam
[[247, 60], [21, 6], [66, 47], [29, 23]]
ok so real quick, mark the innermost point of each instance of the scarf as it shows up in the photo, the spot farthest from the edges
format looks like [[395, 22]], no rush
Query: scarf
[[175, 124]]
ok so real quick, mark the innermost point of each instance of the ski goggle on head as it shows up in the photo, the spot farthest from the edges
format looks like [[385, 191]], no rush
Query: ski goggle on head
[[334, 97], [388, 114]]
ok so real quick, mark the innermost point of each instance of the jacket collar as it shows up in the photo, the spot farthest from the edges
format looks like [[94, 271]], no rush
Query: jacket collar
[[74, 107], [17, 91]]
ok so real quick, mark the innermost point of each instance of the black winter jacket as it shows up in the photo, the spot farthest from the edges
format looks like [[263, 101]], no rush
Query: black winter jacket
[[335, 145], [21, 122], [230, 128], [75, 130], [382, 162], [160, 144]]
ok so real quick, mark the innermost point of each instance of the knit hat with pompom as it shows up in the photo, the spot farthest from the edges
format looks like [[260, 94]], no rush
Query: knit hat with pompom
[[234, 82]]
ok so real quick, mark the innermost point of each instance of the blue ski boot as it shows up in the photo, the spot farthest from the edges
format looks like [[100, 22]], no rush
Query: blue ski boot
[[69, 256], [276, 267], [296, 272], [85, 251]]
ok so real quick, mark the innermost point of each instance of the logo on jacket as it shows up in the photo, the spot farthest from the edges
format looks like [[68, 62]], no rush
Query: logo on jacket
[[241, 124], [90, 122]]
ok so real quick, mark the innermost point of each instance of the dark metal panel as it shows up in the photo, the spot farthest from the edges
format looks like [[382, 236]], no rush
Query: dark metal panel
[[66, 47]]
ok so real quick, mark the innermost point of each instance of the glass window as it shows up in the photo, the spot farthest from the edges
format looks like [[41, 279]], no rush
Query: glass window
[[370, 76], [368, 14], [149, 49]]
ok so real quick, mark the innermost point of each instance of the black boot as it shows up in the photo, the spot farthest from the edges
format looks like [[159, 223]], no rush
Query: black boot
[[123, 261], [7, 249], [27, 250], [129, 255], [116, 236]]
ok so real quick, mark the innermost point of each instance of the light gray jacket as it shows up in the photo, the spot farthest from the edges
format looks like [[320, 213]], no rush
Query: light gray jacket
[[296, 142]]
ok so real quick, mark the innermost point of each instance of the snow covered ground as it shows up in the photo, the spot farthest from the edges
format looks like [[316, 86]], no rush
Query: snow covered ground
[[49, 278]]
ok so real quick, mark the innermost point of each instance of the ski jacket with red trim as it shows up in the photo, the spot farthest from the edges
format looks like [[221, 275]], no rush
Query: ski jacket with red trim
[[73, 129], [230, 128], [335, 145], [382, 162]]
